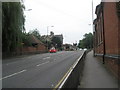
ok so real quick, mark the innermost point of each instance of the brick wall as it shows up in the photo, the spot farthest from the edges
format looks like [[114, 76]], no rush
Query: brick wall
[[39, 48], [28, 49], [113, 65], [111, 28], [119, 50], [112, 36]]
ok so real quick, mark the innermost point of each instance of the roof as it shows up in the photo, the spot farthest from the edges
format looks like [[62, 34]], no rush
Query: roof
[[33, 39], [59, 35]]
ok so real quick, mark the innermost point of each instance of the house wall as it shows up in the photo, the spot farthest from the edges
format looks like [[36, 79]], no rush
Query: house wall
[[111, 28], [119, 37], [99, 34], [112, 37]]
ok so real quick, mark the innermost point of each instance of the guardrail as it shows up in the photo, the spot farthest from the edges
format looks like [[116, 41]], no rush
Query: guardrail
[[73, 76]]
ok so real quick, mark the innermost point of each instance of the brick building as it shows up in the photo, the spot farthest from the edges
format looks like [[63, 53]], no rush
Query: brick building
[[107, 35], [36, 47], [49, 37]]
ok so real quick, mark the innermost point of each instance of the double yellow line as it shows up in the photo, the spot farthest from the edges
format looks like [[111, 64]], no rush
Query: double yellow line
[[59, 83]]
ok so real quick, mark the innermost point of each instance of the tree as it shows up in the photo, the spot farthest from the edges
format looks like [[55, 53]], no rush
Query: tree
[[81, 44], [36, 33], [26, 39], [12, 25], [57, 42], [86, 42]]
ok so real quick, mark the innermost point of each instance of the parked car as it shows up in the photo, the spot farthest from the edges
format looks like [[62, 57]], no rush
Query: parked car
[[52, 50]]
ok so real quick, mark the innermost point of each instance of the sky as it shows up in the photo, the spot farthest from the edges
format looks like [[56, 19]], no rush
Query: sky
[[72, 18]]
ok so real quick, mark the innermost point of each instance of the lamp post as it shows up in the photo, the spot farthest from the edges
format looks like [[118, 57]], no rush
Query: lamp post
[[93, 29], [47, 35], [28, 10], [48, 29]]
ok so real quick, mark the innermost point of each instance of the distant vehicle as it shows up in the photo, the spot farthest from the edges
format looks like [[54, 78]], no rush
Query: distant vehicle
[[80, 49], [52, 50], [85, 49]]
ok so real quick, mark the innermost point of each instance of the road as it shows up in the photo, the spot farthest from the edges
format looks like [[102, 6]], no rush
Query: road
[[37, 71]]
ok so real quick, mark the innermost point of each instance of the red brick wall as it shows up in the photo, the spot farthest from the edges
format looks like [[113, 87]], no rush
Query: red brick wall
[[119, 49], [39, 48], [101, 48], [112, 37], [28, 49], [119, 36], [25, 50], [113, 66], [111, 28]]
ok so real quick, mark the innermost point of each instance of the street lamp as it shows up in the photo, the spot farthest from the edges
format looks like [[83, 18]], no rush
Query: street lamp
[[47, 35], [28, 10], [93, 29], [48, 29]]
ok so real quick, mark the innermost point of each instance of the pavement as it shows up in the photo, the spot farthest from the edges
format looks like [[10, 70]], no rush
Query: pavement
[[96, 75]]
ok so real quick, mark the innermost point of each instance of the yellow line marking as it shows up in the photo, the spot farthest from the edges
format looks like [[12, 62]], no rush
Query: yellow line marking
[[62, 79], [65, 74]]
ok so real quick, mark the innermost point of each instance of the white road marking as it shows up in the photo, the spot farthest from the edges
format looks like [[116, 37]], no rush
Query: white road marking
[[42, 63], [12, 74], [46, 58]]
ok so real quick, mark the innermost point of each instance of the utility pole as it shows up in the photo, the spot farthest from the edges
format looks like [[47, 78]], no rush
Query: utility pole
[[93, 29]]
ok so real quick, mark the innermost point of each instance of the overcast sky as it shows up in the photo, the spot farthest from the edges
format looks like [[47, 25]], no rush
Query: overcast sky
[[69, 17]]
